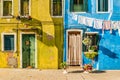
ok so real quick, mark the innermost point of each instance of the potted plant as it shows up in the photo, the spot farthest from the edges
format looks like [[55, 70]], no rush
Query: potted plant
[[64, 67], [93, 48], [87, 68]]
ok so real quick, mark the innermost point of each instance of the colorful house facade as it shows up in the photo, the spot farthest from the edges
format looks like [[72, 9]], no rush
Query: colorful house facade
[[31, 33], [89, 23]]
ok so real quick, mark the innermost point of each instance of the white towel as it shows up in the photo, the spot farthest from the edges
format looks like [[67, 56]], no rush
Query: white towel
[[79, 19], [74, 17], [89, 22], [115, 24], [82, 20], [98, 24]]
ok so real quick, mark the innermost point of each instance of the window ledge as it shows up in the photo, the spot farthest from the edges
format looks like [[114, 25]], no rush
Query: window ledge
[[78, 12], [6, 17], [102, 12]]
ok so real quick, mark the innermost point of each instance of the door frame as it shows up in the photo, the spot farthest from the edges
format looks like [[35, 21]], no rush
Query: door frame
[[21, 47], [81, 33]]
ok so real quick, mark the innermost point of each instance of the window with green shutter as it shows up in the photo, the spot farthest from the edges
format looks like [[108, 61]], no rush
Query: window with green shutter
[[78, 5]]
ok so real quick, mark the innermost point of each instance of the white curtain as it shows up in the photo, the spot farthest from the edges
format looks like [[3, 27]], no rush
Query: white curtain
[[74, 49]]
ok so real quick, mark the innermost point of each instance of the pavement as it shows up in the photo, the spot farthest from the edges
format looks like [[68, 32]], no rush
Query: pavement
[[56, 74]]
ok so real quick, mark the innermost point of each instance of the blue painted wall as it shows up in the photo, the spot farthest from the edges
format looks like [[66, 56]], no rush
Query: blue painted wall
[[109, 44]]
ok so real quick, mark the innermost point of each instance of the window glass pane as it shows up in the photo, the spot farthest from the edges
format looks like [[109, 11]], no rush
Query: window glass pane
[[57, 7], [8, 42], [103, 5], [7, 8], [24, 7], [78, 5]]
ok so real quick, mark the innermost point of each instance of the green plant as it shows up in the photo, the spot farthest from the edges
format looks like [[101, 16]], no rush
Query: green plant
[[93, 47], [91, 55], [87, 41], [63, 65], [87, 67]]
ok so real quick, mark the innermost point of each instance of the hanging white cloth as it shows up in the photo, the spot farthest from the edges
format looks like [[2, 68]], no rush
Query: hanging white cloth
[[98, 24], [82, 20], [74, 48], [74, 45], [89, 22], [115, 24]]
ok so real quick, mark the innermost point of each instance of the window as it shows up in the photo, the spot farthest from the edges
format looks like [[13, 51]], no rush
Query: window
[[78, 5], [103, 5], [7, 8], [56, 8], [8, 42], [90, 41], [24, 7]]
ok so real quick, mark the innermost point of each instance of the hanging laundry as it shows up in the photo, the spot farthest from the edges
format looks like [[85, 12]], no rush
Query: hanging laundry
[[98, 24], [89, 22], [115, 24], [106, 26], [82, 20], [79, 19], [74, 17]]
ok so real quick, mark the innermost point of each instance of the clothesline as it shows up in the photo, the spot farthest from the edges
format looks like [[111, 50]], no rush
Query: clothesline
[[99, 23]]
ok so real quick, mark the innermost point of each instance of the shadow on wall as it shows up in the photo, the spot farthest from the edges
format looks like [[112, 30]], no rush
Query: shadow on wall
[[46, 38], [59, 32], [107, 52], [37, 25], [57, 40]]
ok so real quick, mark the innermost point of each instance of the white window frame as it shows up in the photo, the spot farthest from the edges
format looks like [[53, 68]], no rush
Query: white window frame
[[100, 11], [52, 9], [20, 8], [2, 39], [2, 9]]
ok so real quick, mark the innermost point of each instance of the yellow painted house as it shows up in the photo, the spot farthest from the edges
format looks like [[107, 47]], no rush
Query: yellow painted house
[[31, 33]]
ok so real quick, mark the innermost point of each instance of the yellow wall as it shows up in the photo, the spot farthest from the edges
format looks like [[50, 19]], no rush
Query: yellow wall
[[49, 35]]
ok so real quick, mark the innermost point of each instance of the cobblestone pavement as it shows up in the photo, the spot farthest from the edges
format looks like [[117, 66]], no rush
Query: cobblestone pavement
[[52, 74]]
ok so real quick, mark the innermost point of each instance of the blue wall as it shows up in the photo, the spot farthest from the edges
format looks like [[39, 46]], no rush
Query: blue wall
[[109, 44]]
